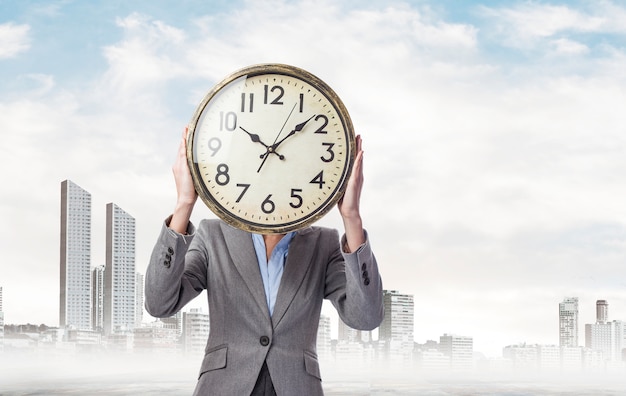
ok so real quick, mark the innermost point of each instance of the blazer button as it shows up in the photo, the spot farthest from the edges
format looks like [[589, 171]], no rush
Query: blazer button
[[170, 250], [265, 340], [363, 267], [366, 281]]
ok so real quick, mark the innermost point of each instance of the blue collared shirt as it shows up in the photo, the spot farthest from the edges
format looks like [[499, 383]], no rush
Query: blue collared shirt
[[272, 272]]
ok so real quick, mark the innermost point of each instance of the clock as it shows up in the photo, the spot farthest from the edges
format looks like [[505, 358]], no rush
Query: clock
[[270, 148]]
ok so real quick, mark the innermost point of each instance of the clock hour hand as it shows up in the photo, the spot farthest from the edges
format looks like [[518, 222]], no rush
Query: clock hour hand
[[254, 137]]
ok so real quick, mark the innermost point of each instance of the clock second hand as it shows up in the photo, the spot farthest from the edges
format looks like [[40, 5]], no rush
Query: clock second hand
[[270, 149]]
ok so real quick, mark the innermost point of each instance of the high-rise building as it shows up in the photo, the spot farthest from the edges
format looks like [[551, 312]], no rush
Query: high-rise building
[[323, 337], [604, 336], [138, 299], [568, 322], [397, 323], [196, 329], [75, 287], [460, 350], [396, 330], [119, 274], [607, 338], [602, 311], [97, 300]]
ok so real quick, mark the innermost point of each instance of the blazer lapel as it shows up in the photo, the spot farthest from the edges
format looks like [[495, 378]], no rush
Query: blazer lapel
[[242, 252], [299, 260]]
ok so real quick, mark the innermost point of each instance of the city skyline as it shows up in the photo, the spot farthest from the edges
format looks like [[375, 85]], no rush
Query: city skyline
[[492, 130], [76, 232], [186, 332]]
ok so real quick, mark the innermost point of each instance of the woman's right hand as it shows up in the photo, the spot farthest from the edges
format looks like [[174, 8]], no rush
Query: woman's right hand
[[186, 194]]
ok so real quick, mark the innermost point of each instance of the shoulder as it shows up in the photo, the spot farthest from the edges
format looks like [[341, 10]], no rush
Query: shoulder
[[321, 232]]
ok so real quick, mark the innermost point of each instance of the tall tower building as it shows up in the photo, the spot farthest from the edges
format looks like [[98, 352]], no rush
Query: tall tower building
[[396, 330], [605, 336], [602, 311], [75, 287], [568, 322], [119, 274], [97, 300]]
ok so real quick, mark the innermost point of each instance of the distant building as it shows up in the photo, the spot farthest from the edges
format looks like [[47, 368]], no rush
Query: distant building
[[523, 357], [97, 299], [549, 357], [196, 329], [348, 334], [572, 358], [119, 274], [155, 338], [323, 338], [138, 299], [174, 322], [568, 322], [396, 330], [605, 336], [75, 262], [602, 311], [460, 350]]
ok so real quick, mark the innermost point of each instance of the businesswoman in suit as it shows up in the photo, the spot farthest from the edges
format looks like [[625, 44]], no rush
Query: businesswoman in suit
[[265, 292]]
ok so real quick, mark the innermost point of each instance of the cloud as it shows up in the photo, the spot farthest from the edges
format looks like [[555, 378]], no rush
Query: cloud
[[493, 184], [14, 39], [526, 25]]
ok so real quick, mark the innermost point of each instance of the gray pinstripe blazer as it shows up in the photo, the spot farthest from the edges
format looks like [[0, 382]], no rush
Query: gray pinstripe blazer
[[222, 260]]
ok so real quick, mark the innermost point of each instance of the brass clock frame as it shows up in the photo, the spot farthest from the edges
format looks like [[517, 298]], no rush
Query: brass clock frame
[[323, 88]]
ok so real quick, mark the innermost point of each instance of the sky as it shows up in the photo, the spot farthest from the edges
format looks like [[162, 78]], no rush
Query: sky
[[494, 135]]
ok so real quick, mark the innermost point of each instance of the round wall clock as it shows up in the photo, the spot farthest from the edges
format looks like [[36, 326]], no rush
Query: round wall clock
[[270, 148]]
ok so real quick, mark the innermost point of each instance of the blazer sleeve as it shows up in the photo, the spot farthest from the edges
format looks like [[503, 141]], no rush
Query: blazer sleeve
[[354, 286], [176, 272]]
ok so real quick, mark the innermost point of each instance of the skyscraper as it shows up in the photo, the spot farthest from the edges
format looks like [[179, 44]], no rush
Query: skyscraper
[[605, 336], [396, 330], [75, 246], [602, 311], [119, 274], [568, 322], [97, 300]]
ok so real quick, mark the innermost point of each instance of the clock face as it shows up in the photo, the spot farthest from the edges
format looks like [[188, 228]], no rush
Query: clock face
[[270, 149]]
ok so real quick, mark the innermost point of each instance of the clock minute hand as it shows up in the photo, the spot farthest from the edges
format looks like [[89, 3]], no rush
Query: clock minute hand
[[298, 128]]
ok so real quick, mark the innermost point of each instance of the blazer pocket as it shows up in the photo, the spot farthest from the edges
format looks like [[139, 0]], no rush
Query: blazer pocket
[[214, 359], [311, 364]]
